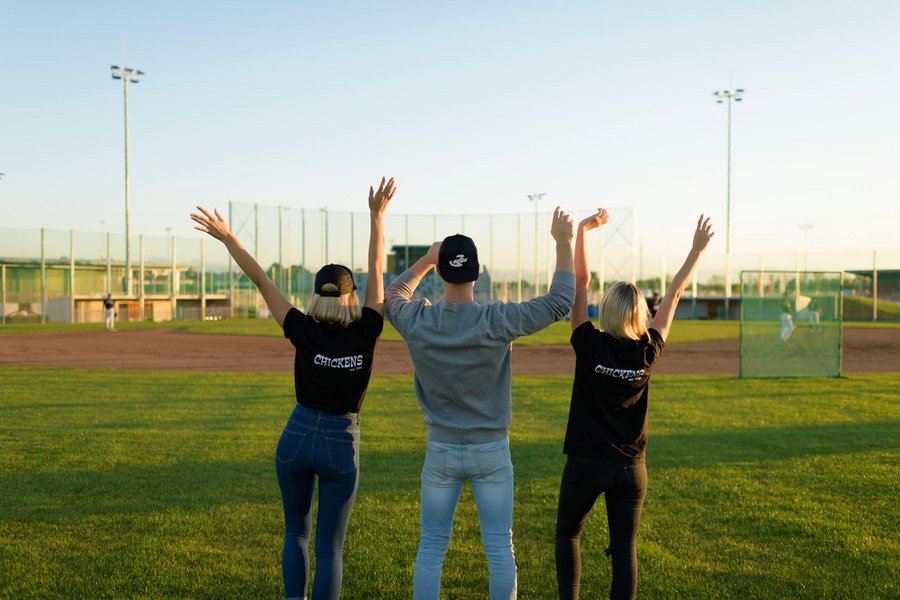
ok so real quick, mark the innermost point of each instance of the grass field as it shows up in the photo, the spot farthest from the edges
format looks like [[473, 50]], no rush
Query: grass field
[[159, 484]]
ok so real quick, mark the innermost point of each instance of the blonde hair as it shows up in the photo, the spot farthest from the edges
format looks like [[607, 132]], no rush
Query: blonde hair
[[623, 312], [342, 310]]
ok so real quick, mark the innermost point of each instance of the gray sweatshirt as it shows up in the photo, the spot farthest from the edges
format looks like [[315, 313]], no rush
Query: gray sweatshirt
[[461, 354]]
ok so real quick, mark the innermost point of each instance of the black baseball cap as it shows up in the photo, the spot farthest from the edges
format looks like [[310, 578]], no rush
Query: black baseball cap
[[339, 275], [458, 259]]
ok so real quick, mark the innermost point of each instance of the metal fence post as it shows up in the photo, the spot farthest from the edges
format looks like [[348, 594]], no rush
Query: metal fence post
[[353, 244], [43, 278], [280, 280], [108, 266], [141, 300], [202, 279], [694, 295], [290, 270], [230, 266], [874, 285], [174, 287], [434, 275], [406, 241], [633, 245], [491, 254], [662, 276], [518, 258], [602, 271], [256, 255], [302, 253], [326, 235], [72, 276], [3, 296]]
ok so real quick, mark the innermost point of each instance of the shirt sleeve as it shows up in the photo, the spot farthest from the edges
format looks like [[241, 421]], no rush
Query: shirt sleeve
[[398, 308], [654, 347], [293, 323], [525, 318], [582, 336], [373, 323]]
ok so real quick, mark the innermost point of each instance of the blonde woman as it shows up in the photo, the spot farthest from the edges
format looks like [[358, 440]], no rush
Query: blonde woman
[[335, 342], [606, 436]]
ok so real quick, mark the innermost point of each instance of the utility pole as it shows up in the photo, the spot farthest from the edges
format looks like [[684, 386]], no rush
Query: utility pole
[[127, 75], [727, 97]]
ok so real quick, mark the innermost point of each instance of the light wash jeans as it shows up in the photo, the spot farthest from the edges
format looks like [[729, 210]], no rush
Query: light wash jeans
[[489, 468]]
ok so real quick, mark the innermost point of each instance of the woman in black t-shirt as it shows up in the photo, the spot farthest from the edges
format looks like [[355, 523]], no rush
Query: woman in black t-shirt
[[335, 344], [606, 436]]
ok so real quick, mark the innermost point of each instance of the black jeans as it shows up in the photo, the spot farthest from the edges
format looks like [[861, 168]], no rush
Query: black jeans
[[624, 486]]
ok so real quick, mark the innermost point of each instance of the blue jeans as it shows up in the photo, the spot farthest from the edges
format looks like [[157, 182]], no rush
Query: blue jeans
[[489, 468], [624, 487], [315, 443]]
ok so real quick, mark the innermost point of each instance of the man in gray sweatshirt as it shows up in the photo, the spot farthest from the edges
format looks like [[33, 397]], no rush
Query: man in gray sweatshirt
[[461, 353]]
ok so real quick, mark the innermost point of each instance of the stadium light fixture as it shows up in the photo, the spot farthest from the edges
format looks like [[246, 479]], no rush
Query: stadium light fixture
[[723, 97], [127, 75]]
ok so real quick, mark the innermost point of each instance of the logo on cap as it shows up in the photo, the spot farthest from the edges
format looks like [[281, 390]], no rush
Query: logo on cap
[[458, 261]]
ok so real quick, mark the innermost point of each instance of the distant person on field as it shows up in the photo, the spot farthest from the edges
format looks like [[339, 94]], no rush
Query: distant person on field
[[653, 304], [787, 318], [461, 353], [110, 306], [335, 345], [606, 437], [814, 313]]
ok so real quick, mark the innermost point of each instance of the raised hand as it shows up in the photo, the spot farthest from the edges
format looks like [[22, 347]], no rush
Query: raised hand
[[379, 200], [703, 234], [601, 217], [214, 225], [433, 253], [563, 227]]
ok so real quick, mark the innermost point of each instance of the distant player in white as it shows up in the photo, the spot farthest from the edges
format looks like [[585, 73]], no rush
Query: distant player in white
[[787, 320]]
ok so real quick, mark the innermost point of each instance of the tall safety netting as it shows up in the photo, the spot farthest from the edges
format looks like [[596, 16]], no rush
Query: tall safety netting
[[791, 324]]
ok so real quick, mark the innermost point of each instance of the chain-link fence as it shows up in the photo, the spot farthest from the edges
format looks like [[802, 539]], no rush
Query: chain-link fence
[[63, 275], [516, 250]]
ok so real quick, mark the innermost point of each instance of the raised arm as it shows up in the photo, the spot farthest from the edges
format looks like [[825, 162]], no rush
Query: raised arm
[[402, 288], [378, 202], [666, 311], [215, 225], [582, 274], [562, 229]]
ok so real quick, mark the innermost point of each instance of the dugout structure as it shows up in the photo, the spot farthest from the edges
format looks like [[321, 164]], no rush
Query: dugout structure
[[791, 324]]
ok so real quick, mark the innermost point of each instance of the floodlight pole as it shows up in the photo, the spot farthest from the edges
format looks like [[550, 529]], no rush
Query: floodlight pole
[[728, 96], [536, 198], [127, 74]]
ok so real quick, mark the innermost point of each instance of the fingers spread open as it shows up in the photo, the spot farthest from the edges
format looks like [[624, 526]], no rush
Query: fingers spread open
[[219, 215]]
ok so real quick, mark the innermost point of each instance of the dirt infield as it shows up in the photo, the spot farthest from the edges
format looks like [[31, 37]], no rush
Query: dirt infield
[[865, 350]]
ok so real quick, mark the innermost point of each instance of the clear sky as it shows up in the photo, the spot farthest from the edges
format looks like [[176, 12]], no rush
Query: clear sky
[[470, 105]]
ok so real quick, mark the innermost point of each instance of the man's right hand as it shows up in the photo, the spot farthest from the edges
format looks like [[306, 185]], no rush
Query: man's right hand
[[563, 227], [432, 255]]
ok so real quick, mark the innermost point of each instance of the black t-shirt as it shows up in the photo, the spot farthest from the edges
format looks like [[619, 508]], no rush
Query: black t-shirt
[[333, 363], [608, 415]]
